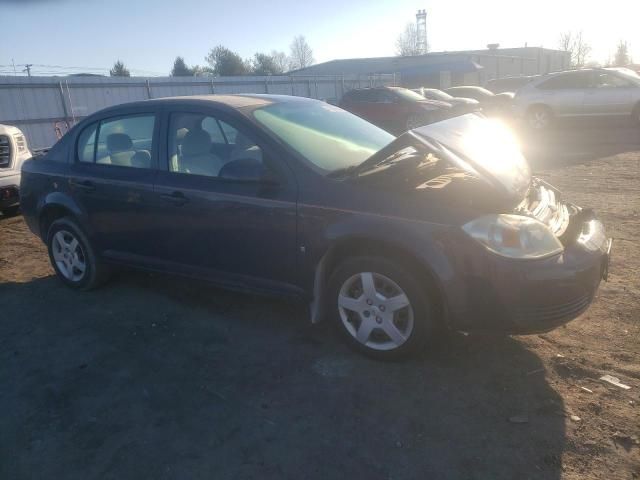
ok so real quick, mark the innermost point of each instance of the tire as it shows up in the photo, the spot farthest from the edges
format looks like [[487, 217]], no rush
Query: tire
[[391, 330], [539, 117], [72, 256], [11, 211]]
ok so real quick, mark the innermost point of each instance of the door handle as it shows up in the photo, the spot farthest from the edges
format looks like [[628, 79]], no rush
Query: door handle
[[177, 198], [86, 185]]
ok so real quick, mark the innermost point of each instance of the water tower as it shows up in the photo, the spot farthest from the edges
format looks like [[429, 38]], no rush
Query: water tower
[[421, 31]]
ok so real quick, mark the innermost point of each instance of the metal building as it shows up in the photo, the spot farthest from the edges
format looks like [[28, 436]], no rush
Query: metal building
[[445, 69]]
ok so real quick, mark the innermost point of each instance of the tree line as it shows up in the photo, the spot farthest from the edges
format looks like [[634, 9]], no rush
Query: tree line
[[222, 61]]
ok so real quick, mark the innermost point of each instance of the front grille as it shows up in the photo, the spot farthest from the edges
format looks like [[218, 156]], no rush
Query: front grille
[[550, 314], [544, 203], [5, 151]]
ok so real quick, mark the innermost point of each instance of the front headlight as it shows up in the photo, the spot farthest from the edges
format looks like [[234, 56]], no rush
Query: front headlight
[[514, 236]]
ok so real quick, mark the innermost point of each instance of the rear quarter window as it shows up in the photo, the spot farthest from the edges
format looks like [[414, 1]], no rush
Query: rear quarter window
[[87, 143]]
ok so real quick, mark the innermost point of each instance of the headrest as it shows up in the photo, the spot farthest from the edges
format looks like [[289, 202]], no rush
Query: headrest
[[180, 134], [196, 142], [119, 142], [141, 159]]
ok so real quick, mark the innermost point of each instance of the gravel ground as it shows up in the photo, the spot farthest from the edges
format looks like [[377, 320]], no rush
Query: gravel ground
[[160, 377]]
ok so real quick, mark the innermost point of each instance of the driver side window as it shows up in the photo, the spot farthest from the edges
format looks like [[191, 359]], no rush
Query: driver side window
[[205, 145], [610, 80]]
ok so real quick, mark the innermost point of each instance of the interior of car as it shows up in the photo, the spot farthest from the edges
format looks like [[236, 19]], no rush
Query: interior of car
[[203, 145]]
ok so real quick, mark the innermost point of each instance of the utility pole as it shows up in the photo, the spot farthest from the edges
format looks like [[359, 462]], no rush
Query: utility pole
[[27, 68]]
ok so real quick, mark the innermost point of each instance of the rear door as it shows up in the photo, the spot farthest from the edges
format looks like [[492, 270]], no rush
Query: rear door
[[229, 201], [111, 179], [609, 94]]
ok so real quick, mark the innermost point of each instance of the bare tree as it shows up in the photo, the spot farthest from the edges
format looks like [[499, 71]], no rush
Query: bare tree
[[576, 45], [282, 61], [622, 54], [301, 53], [407, 41]]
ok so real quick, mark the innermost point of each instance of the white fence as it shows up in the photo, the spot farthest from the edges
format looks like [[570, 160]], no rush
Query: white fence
[[44, 108]]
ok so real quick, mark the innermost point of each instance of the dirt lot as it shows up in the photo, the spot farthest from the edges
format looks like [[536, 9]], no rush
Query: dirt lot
[[160, 377]]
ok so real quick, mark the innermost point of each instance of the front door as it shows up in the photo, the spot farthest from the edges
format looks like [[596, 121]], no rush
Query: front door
[[229, 202], [111, 180]]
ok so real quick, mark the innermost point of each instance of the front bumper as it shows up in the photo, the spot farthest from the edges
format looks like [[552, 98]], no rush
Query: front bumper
[[9, 196], [533, 296]]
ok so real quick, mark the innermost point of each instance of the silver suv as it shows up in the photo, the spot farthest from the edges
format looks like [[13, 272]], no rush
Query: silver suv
[[575, 93]]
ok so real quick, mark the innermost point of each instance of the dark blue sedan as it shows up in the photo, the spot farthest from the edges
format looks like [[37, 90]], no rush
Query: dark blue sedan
[[390, 238]]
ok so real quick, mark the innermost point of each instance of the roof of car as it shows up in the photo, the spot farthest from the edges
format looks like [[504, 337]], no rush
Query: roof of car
[[232, 101]]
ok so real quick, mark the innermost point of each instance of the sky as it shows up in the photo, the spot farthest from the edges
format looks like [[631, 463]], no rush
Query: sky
[[148, 34]]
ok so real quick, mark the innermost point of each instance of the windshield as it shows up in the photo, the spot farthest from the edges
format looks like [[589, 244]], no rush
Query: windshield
[[329, 137], [408, 94], [437, 94]]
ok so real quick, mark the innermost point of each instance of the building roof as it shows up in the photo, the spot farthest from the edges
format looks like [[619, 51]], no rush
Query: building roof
[[397, 63]]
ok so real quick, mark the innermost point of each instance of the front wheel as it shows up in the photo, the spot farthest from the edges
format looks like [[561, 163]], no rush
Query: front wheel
[[73, 257], [381, 309]]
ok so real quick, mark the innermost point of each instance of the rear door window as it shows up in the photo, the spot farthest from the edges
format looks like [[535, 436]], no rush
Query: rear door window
[[87, 144]]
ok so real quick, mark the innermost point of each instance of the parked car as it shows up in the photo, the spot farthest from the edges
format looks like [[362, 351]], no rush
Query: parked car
[[459, 105], [509, 84], [489, 101], [394, 109], [13, 151], [589, 92], [389, 238]]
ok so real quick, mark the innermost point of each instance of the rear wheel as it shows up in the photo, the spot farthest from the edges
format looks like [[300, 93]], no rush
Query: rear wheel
[[380, 308], [539, 117], [73, 257]]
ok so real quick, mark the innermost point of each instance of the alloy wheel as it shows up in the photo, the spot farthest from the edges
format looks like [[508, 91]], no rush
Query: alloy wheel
[[68, 255], [375, 311], [539, 119]]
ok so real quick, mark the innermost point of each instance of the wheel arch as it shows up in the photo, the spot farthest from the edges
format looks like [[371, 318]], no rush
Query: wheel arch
[[360, 246], [55, 206]]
